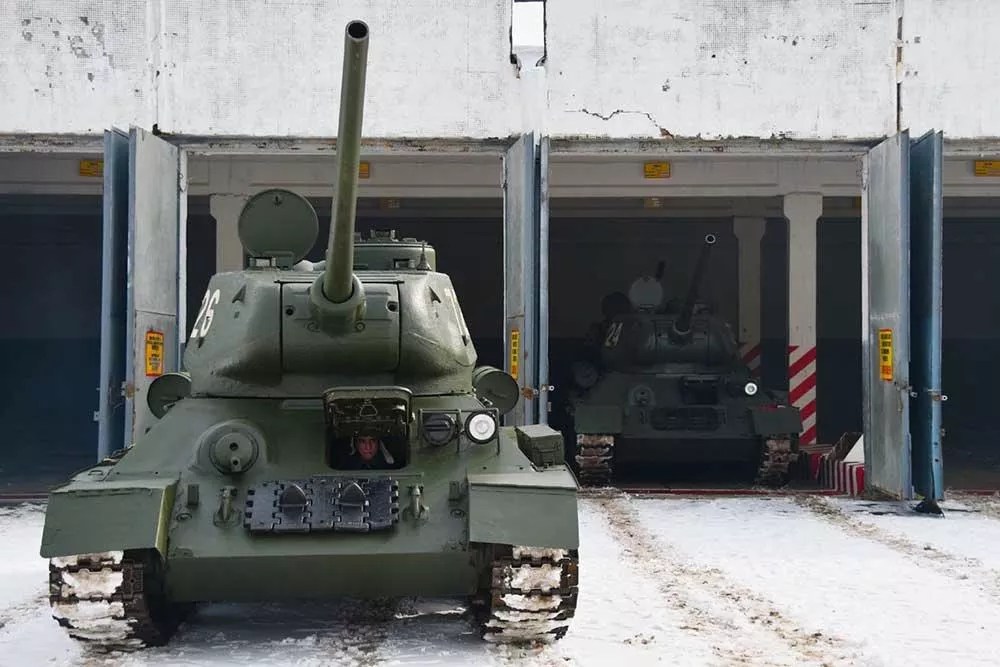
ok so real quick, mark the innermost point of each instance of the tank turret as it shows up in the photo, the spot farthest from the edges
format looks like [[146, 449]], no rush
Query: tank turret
[[372, 312], [680, 332], [338, 297]]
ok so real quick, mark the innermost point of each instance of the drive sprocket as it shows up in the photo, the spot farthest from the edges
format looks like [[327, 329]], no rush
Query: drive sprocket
[[595, 456]]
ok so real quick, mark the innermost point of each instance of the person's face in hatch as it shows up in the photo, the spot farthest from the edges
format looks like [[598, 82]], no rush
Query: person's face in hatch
[[367, 447]]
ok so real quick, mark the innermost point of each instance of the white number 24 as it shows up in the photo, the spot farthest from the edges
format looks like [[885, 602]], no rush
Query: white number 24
[[203, 322]]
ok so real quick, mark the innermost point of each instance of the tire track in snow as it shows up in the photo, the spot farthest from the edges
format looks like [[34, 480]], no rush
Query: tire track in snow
[[750, 611], [956, 567], [985, 505], [15, 613]]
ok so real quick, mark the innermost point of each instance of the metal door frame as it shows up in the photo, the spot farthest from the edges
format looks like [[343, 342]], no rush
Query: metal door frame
[[926, 255], [159, 170], [114, 243], [885, 225], [520, 275]]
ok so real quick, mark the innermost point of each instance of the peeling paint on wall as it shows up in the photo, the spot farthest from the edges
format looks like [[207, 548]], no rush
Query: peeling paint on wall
[[256, 69], [719, 69], [72, 66], [631, 69]]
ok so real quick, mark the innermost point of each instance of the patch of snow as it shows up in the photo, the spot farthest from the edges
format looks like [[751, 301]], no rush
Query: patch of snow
[[542, 578], [530, 553], [85, 584], [874, 599], [723, 607], [746, 581], [532, 602], [24, 573], [72, 561], [94, 619]]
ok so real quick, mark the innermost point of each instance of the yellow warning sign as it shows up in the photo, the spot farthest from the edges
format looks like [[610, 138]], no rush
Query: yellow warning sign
[[154, 353], [656, 170], [885, 354], [987, 168], [515, 351], [364, 170], [93, 168]]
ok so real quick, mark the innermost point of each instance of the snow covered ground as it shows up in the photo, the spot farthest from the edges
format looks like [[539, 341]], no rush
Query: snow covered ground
[[677, 581]]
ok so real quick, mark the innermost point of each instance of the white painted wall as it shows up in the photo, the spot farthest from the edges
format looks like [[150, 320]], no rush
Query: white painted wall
[[718, 68], [637, 69], [951, 81], [75, 66], [231, 67]]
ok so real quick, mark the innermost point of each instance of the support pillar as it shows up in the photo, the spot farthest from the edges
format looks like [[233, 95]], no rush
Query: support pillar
[[228, 249], [749, 231], [803, 211]]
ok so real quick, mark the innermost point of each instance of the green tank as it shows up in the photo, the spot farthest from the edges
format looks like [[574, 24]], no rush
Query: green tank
[[662, 383], [331, 435]]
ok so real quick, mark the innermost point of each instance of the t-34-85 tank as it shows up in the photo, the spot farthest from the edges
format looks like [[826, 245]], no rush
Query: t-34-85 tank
[[664, 384], [330, 436]]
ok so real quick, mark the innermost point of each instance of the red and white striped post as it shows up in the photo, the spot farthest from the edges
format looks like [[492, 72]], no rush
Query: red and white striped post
[[749, 231], [803, 211], [802, 388]]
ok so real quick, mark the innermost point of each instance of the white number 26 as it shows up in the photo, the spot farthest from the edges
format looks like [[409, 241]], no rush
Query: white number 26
[[203, 322]]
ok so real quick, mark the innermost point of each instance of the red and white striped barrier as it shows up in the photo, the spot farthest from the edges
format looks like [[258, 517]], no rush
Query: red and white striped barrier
[[847, 477], [811, 460], [802, 388], [750, 352]]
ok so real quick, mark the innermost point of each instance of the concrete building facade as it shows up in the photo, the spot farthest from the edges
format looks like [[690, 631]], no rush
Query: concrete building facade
[[663, 120]]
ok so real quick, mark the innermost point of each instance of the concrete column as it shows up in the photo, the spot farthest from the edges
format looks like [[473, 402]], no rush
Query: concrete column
[[228, 249], [803, 211], [749, 231]]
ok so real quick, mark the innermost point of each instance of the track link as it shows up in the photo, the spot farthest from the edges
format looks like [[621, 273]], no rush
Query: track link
[[532, 596], [595, 458], [776, 459], [111, 601]]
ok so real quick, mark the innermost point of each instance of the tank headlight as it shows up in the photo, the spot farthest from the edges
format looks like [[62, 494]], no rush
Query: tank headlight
[[480, 427], [750, 388], [439, 428]]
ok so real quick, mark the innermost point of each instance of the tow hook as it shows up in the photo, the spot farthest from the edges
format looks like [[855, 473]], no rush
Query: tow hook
[[225, 514], [417, 508]]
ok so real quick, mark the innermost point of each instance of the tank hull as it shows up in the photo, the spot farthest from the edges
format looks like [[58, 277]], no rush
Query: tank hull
[[635, 419], [437, 526]]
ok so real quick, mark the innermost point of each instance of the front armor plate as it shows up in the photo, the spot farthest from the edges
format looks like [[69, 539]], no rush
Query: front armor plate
[[323, 504]]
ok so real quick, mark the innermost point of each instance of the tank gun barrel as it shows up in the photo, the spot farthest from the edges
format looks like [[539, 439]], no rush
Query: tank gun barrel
[[682, 325], [338, 273], [337, 297]]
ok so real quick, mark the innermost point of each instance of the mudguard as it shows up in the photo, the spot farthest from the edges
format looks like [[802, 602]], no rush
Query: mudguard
[[769, 420], [601, 419], [93, 517], [536, 509]]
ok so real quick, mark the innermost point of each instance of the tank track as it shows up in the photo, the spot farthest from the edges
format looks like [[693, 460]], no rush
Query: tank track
[[775, 462], [595, 459], [530, 596], [109, 601]]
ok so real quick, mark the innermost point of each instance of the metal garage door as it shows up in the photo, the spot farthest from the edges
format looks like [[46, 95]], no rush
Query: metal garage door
[[143, 278]]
